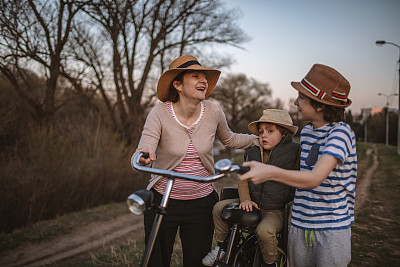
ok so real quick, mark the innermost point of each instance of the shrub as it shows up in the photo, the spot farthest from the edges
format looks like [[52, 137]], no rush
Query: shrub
[[64, 166]]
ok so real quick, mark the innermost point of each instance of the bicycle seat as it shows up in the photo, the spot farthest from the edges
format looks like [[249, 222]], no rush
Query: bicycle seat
[[232, 214]]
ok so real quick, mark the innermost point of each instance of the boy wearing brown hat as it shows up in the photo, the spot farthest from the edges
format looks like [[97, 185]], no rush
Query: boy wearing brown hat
[[275, 130], [323, 206]]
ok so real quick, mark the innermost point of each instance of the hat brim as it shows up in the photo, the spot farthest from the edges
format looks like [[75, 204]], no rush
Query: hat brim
[[212, 76], [254, 129], [301, 89]]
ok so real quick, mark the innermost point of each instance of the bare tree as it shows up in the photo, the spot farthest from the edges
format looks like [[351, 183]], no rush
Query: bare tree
[[242, 99], [113, 48], [34, 35], [141, 36]]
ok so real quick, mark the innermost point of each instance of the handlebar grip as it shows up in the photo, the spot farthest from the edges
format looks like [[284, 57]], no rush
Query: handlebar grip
[[145, 155], [243, 169]]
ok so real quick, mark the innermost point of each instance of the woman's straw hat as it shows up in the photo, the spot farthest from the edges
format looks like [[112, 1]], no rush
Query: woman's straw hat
[[179, 65], [325, 85], [275, 116]]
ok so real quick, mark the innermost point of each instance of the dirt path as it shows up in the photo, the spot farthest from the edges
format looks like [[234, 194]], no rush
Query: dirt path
[[364, 182], [120, 230], [87, 239]]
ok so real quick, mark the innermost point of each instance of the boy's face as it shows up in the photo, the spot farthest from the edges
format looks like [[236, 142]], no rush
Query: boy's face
[[268, 135], [305, 110]]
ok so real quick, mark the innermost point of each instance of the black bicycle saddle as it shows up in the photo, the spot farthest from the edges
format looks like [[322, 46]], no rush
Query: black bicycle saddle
[[232, 214]]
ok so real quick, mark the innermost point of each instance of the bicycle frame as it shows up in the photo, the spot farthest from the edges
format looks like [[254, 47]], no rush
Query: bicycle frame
[[222, 167], [242, 239]]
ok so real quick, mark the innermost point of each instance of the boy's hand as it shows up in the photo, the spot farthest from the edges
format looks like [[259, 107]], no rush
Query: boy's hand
[[259, 172], [248, 205]]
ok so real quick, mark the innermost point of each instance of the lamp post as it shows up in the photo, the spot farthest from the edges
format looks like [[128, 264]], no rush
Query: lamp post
[[387, 115], [381, 42]]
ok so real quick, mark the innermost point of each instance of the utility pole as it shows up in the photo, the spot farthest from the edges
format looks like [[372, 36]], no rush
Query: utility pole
[[381, 42], [387, 115]]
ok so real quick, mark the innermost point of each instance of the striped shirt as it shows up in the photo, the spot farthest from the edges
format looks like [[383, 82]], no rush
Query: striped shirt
[[330, 206], [191, 164]]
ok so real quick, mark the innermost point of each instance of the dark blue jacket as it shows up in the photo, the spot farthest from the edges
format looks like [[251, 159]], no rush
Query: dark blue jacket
[[272, 195]]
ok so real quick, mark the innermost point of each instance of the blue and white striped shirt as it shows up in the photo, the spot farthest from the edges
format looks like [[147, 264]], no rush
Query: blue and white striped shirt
[[330, 206]]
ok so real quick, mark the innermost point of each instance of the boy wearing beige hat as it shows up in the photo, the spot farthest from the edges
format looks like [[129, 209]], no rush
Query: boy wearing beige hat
[[275, 130], [323, 205]]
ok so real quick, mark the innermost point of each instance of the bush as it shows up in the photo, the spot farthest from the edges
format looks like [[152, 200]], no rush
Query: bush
[[64, 166]]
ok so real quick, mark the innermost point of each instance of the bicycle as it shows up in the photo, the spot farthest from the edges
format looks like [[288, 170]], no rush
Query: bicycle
[[242, 245], [141, 200]]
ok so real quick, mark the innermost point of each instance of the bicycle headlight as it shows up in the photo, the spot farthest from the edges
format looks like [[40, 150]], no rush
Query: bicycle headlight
[[140, 201]]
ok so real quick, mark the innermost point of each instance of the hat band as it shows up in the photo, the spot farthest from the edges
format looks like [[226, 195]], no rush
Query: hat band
[[312, 89], [339, 96], [188, 63]]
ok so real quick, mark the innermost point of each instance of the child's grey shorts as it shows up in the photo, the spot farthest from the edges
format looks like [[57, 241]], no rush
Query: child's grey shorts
[[319, 248]]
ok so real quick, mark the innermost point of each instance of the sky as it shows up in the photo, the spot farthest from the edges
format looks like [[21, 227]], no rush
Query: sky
[[288, 36]]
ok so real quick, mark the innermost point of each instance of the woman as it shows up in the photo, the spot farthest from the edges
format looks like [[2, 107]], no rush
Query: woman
[[179, 134]]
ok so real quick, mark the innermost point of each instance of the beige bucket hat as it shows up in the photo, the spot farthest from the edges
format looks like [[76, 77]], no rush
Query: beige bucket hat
[[275, 116], [179, 65], [325, 85]]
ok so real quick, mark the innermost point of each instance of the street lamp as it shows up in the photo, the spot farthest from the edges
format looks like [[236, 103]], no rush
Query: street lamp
[[387, 115], [381, 42]]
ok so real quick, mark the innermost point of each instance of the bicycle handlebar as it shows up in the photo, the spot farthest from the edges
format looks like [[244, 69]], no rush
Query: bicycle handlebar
[[173, 174], [222, 167]]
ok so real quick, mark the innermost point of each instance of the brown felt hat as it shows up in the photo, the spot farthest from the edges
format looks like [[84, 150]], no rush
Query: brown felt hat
[[179, 65], [275, 116], [325, 85]]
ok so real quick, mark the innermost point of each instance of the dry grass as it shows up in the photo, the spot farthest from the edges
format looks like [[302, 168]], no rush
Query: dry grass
[[62, 167], [376, 234]]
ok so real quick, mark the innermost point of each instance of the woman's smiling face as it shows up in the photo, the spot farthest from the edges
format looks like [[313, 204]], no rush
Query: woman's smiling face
[[194, 85]]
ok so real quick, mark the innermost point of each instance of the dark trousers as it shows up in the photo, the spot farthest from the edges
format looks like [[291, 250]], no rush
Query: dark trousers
[[194, 220]]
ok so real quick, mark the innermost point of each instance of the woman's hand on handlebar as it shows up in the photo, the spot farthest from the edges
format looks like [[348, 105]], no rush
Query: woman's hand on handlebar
[[147, 158], [248, 205]]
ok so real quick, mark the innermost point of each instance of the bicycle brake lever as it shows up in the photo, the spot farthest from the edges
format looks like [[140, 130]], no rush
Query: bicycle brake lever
[[239, 169], [243, 169]]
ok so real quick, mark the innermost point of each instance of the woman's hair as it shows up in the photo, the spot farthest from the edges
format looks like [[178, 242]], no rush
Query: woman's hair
[[173, 95], [283, 131], [330, 113]]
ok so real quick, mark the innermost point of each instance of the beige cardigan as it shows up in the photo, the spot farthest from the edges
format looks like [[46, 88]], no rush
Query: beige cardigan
[[163, 135]]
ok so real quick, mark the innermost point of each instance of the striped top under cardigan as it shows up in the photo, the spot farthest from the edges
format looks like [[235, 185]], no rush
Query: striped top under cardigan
[[191, 164]]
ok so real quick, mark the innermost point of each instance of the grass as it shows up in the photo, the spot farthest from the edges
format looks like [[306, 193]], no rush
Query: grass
[[131, 255], [363, 161], [59, 168], [376, 233]]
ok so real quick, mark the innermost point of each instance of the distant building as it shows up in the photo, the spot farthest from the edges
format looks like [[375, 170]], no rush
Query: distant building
[[366, 112]]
